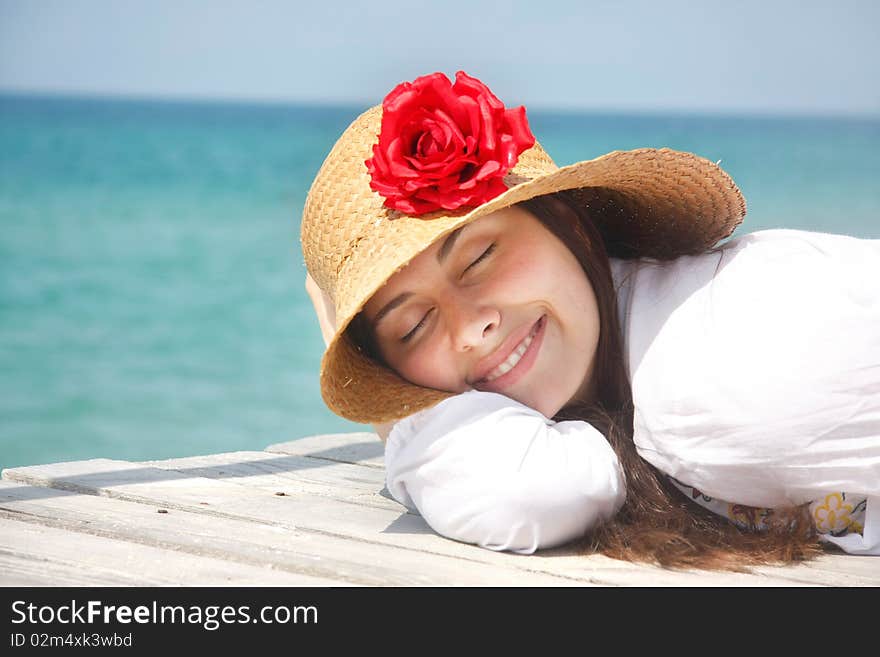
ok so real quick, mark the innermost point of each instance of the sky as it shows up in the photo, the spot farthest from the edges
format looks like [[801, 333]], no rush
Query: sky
[[710, 56]]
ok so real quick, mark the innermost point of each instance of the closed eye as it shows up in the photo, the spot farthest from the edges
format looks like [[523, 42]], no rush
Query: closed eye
[[485, 254], [415, 329]]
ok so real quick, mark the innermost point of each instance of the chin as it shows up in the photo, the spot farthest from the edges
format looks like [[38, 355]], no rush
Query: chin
[[546, 408], [550, 407]]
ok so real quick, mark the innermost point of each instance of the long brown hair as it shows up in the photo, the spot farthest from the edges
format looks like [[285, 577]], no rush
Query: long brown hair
[[657, 523]]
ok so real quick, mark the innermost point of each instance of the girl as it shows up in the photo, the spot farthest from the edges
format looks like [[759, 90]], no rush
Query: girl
[[711, 406]]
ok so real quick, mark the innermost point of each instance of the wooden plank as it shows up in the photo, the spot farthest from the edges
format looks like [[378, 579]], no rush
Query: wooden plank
[[366, 447], [826, 570], [172, 489], [331, 517], [246, 468], [243, 473], [836, 569], [18, 569], [288, 474], [363, 448], [76, 559], [315, 555]]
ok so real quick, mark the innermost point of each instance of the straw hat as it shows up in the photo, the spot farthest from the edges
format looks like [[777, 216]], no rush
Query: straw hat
[[648, 203]]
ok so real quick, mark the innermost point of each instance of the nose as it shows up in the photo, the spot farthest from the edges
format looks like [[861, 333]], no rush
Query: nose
[[471, 324]]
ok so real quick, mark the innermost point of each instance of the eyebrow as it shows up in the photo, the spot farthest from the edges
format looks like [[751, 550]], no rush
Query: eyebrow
[[391, 305], [445, 250]]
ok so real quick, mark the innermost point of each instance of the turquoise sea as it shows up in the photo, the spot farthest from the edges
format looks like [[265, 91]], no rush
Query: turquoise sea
[[151, 281]]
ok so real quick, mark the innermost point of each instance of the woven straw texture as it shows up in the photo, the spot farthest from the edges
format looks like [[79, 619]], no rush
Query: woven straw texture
[[656, 203]]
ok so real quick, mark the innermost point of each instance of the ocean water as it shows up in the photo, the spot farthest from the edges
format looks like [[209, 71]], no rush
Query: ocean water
[[151, 279]]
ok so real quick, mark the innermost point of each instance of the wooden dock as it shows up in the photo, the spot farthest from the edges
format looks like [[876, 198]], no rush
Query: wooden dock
[[310, 512]]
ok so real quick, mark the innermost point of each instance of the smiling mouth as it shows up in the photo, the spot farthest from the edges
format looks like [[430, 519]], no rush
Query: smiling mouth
[[514, 358], [506, 373]]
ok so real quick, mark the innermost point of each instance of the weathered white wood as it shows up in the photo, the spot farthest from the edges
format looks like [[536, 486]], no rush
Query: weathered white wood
[[241, 541], [826, 570], [172, 489], [364, 448], [288, 474], [248, 468], [832, 569], [367, 524], [838, 570], [69, 556], [25, 569]]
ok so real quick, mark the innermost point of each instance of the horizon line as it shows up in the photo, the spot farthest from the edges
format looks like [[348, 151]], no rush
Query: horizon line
[[172, 98]]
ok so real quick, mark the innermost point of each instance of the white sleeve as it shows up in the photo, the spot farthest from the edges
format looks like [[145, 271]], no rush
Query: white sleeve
[[482, 468]]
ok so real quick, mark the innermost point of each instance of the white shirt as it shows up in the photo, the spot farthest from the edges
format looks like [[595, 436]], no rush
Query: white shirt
[[485, 469], [755, 371]]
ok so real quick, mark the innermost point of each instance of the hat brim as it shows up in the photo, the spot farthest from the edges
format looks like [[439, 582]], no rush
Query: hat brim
[[658, 203]]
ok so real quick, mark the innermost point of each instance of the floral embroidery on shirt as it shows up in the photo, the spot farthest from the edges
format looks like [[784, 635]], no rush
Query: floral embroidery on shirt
[[835, 513]]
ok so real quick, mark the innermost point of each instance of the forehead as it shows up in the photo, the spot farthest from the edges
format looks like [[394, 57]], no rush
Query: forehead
[[508, 220]]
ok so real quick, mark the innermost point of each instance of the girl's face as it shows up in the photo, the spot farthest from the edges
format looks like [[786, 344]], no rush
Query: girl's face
[[500, 305]]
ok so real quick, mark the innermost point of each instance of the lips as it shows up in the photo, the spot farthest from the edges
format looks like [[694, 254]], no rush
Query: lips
[[512, 360]]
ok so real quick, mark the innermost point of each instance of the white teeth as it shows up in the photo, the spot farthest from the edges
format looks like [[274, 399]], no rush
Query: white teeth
[[512, 360]]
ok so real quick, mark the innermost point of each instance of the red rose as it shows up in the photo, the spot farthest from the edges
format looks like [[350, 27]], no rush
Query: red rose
[[444, 145]]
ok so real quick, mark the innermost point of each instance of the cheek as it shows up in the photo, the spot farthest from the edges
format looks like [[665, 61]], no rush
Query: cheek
[[538, 275], [524, 274], [578, 295], [431, 366], [579, 314]]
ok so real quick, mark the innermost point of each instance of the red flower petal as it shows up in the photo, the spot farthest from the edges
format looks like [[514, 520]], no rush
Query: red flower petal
[[404, 205], [518, 124], [388, 191], [473, 130], [495, 187], [488, 169], [445, 145], [487, 137], [451, 125], [436, 165], [427, 145], [508, 152], [446, 201], [399, 96], [464, 83], [395, 161], [410, 187], [413, 206], [376, 165], [455, 166]]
